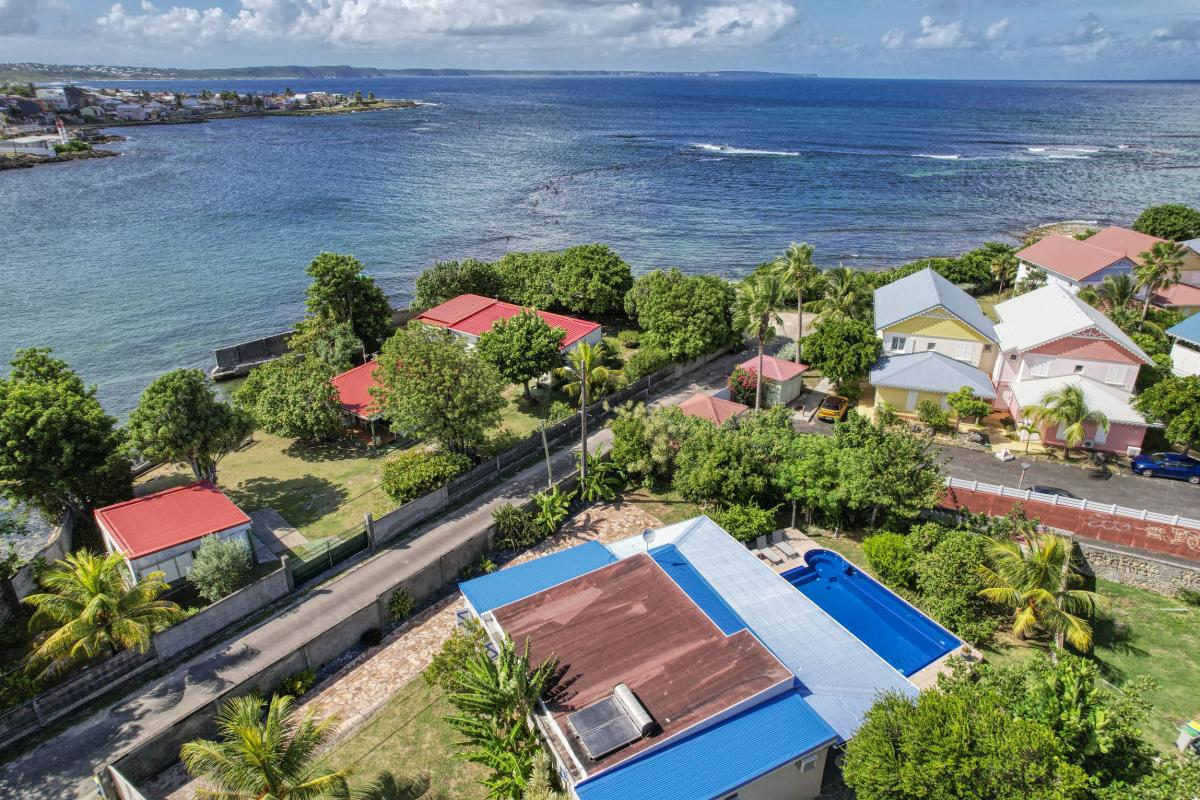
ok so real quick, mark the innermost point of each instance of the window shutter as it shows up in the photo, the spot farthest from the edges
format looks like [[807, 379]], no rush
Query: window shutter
[[1116, 375]]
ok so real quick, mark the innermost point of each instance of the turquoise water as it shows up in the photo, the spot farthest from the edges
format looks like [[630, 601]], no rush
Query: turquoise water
[[198, 235]]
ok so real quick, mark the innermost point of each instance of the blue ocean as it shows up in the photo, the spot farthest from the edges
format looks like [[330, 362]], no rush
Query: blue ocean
[[199, 234]]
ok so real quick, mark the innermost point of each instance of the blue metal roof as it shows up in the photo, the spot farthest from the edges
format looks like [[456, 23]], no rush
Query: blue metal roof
[[1188, 330], [680, 570], [930, 371], [922, 291], [521, 580], [717, 760]]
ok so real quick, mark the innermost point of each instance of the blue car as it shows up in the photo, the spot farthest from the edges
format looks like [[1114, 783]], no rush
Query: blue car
[[1167, 465]]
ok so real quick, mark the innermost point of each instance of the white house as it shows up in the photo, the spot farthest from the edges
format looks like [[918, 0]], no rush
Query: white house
[[133, 112], [1073, 264], [161, 531], [1185, 352], [31, 145]]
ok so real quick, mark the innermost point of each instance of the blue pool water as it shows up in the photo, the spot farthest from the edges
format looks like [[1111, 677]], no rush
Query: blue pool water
[[901, 635]]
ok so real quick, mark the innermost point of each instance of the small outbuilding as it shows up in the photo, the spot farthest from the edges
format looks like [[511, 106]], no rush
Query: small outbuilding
[[782, 381], [162, 531], [714, 409]]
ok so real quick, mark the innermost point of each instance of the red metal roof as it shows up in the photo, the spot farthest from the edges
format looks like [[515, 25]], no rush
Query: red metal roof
[[145, 525], [1070, 257], [1179, 295], [1130, 244], [775, 369], [713, 409], [354, 390], [475, 315]]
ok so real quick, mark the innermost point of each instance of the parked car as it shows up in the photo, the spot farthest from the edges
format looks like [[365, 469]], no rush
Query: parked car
[[833, 408], [1167, 465], [1037, 487]]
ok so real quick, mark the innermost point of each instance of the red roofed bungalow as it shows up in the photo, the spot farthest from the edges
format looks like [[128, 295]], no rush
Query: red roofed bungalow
[[470, 316], [782, 379], [359, 407], [161, 531], [713, 409]]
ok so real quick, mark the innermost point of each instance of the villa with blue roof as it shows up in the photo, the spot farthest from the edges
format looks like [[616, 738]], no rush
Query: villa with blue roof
[[936, 340], [691, 670]]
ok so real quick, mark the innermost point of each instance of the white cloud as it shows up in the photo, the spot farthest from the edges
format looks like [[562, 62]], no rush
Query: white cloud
[[1181, 31], [933, 36], [1086, 40], [18, 17], [380, 23], [997, 29]]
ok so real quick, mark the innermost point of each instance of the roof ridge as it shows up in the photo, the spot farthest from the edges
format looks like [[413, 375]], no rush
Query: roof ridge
[[159, 493]]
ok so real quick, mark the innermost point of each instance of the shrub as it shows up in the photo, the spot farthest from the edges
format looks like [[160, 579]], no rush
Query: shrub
[[220, 567], [553, 507], [646, 361], [746, 522], [933, 415], [604, 480], [400, 605], [514, 527], [891, 556], [72, 146], [297, 683], [415, 473], [630, 339], [946, 578], [685, 315], [743, 385], [645, 442], [463, 646], [484, 566], [558, 411], [1173, 221], [448, 279]]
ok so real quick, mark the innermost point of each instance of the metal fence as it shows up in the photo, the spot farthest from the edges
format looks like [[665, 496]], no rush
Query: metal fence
[[329, 554]]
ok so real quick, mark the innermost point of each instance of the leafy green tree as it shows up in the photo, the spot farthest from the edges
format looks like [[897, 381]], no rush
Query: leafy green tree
[[58, 449], [431, 386], [746, 521], [292, 397], [755, 314], [220, 567], [645, 443], [522, 348], [1174, 402], [932, 414], [684, 315], [1035, 278], [179, 419], [1038, 582], [340, 292], [446, 280], [966, 404], [1159, 269], [797, 271], [948, 582], [529, 279], [91, 608], [272, 756], [843, 349], [886, 469], [331, 343], [591, 279], [1174, 777], [891, 556], [494, 697], [736, 463], [809, 476], [1067, 408], [847, 295], [646, 361], [1174, 222], [411, 474], [584, 373], [1001, 260], [957, 742]]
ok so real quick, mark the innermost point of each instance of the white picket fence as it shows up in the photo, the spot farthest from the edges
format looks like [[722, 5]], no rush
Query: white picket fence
[[1068, 502]]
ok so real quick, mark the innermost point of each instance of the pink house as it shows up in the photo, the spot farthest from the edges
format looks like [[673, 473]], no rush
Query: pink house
[[1049, 339]]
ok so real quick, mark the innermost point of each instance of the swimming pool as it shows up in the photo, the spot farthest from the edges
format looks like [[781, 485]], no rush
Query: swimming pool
[[897, 632]]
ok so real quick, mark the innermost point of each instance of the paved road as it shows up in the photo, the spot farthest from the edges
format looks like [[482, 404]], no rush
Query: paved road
[[62, 767]]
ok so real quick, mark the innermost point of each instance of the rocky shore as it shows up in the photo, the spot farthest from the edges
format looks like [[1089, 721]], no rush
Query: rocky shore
[[24, 161]]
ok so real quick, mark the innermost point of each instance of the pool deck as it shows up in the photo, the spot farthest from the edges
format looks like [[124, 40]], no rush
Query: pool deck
[[924, 678]]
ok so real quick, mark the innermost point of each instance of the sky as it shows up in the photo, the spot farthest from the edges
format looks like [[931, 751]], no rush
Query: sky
[[1009, 39]]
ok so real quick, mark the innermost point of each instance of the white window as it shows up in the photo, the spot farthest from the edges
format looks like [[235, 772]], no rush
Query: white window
[[807, 764], [897, 345], [1116, 375], [964, 351], [1041, 370]]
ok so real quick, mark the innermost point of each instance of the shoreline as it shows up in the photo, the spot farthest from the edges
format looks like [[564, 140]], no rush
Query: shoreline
[[378, 105], [26, 161]]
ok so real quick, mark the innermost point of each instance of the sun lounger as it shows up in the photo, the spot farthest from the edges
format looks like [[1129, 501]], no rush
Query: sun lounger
[[779, 539]]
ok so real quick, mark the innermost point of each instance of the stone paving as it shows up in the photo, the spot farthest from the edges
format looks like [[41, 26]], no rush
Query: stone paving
[[360, 687]]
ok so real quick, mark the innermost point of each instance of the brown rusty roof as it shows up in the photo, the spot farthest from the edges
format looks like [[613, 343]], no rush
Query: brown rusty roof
[[630, 623]]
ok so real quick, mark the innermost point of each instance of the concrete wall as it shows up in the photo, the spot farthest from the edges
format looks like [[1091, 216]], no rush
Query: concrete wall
[[407, 516], [58, 545], [1162, 575], [788, 782], [237, 360], [221, 614]]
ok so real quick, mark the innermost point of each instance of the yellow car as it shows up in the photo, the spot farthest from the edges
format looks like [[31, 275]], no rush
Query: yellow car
[[833, 408]]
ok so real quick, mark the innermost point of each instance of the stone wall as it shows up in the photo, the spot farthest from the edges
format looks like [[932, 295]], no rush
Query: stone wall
[[1145, 571], [238, 359]]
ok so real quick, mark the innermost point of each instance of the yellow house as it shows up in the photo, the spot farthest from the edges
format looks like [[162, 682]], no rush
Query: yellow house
[[936, 340]]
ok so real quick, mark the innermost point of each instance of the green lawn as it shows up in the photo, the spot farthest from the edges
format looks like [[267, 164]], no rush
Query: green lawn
[[321, 489], [519, 417], [987, 303], [667, 506], [409, 737]]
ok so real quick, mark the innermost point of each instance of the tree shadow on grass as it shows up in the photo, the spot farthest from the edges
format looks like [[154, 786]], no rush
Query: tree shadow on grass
[[301, 501], [338, 448], [1110, 635], [387, 786]]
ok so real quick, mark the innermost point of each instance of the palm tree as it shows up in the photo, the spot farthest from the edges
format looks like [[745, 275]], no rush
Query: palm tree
[[1067, 408], [1158, 270], [264, 758], [1030, 429], [584, 370], [1002, 261], [1114, 292], [796, 269], [90, 607], [846, 295], [754, 313], [1037, 581]]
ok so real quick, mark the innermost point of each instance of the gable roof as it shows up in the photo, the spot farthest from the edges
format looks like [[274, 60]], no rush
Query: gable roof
[[1177, 295], [354, 390], [1192, 244], [161, 520], [1049, 313], [1128, 243], [1188, 330], [1113, 402], [474, 315], [775, 369], [713, 409], [1069, 257], [931, 372], [923, 291]]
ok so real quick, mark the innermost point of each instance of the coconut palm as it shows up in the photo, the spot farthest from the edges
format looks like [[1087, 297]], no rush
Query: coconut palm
[[269, 757], [1038, 582], [1158, 270], [584, 370], [1114, 292], [1067, 409], [796, 270], [1001, 261], [1030, 429], [91, 608], [755, 314], [846, 294]]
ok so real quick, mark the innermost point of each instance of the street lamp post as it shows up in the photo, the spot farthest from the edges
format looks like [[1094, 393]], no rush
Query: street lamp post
[[1025, 465]]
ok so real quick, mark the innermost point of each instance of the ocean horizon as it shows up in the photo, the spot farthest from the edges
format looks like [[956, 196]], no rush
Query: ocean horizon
[[198, 235]]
